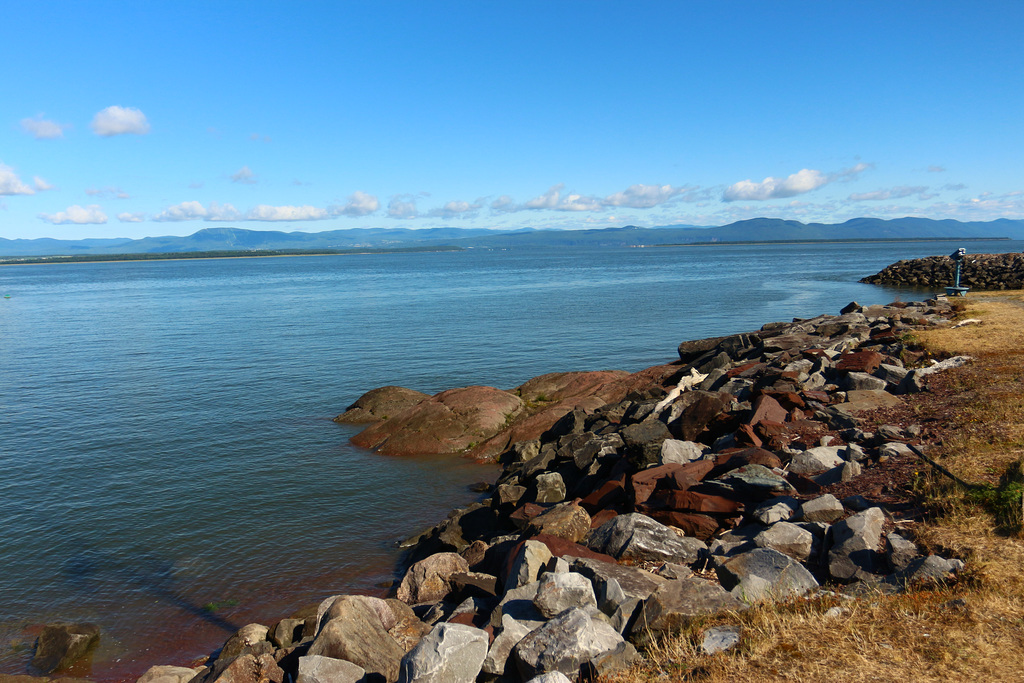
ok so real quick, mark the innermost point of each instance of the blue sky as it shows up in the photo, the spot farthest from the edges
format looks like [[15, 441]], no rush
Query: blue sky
[[130, 119]]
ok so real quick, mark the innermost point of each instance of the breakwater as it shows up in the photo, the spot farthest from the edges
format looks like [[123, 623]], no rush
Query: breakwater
[[703, 486], [979, 271]]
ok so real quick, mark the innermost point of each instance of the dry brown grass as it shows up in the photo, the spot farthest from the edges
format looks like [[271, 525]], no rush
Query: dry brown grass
[[968, 631]]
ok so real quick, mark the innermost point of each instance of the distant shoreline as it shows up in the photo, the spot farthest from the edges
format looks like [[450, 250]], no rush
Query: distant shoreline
[[866, 240], [187, 256]]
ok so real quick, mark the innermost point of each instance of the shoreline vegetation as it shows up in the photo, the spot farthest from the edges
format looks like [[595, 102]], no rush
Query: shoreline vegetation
[[215, 254]]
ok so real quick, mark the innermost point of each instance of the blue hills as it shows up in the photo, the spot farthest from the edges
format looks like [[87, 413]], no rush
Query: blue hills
[[753, 230]]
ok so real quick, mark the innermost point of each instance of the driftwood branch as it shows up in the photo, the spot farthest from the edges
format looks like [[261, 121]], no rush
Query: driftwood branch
[[942, 470]]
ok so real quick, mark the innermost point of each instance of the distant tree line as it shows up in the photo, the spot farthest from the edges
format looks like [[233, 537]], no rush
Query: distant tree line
[[223, 253]]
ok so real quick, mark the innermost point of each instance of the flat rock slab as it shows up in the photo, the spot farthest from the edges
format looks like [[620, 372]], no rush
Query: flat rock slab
[[862, 401], [319, 669], [450, 422], [379, 404]]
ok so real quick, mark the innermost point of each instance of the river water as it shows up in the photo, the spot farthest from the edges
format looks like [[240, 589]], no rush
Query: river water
[[170, 468]]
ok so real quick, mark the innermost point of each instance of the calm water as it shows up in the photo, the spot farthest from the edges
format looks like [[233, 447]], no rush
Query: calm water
[[165, 427]]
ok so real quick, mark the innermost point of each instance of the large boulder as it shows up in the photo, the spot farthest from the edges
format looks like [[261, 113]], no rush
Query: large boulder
[[575, 638], [558, 592], [450, 422], [379, 404], [353, 631], [676, 603], [319, 669], [61, 645], [429, 580], [765, 574], [168, 674], [637, 537], [450, 653], [855, 542]]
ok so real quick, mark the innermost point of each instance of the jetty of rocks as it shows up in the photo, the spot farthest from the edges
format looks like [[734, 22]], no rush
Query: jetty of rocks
[[628, 505], [979, 272]]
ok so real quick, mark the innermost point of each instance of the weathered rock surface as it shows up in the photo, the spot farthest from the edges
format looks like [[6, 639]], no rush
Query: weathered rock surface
[[429, 579], [570, 641], [676, 603], [168, 674], [450, 653], [765, 574], [855, 541], [354, 632], [637, 537], [379, 404], [319, 669]]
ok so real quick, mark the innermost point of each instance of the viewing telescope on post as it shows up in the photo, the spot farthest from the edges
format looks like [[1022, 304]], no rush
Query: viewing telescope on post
[[956, 290]]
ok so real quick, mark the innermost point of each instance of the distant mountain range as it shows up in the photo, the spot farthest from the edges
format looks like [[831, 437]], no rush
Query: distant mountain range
[[753, 230]]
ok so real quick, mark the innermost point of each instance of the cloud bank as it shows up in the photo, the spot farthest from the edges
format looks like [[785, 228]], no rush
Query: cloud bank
[[803, 181], [80, 215]]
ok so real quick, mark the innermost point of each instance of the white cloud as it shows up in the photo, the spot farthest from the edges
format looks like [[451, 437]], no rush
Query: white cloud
[[40, 184], [402, 206], [578, 202], [936, 169], [42, 129], [548, 200], [244, 176], [801, 182], [359, 204], [263, 212], [120, 121], [76, 214], [645, 196], [10, 183], [106, 192], [195, 211], [457, 209], [552, 200], [131, 217], [892, 193], [503, 204]]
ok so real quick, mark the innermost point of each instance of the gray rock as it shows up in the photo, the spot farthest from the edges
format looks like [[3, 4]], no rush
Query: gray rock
[[573, 639], [764, 574], [59, 646], [776, 510], [643, 441], [450, 653], [518, 603], [755, 481], [901, 552], [682, 452], [550, 488], [826, 508], [553, 677], [930, 568], [676, 603], [620, 590], [816, 460], [843, 472], [531, 559], [894, 449], [496, 662], [720, 638], [854, 542], [560, 592], [858, 381], [637, 537], [788, 539], [168, 674], [320, 669]]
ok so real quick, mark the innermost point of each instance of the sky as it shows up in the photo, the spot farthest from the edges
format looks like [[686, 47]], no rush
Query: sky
[[133, 119]]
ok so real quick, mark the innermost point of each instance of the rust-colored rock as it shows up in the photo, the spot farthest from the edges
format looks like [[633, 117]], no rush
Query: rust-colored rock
[[860, 361], [670, 475], [691, 523], [612, 492], [766, 408], [449, 422], [381, 403]]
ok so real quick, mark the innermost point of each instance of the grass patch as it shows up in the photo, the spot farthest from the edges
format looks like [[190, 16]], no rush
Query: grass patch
[[973, 630]]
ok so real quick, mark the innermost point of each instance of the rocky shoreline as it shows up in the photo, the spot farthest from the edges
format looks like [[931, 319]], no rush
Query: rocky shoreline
[[628, 506], [983, 272]]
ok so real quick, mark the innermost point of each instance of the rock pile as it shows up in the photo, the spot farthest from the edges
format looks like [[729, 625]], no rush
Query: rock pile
[[979, 272], [697, 492]]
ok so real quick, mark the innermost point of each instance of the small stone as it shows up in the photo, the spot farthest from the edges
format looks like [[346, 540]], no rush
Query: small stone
[[826, 508], [720, 639]]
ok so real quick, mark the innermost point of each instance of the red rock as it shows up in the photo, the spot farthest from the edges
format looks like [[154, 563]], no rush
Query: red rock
[[745, 436], [692, 524], [819, 396], [612, 492], [787, 399], [672, 475], [560, 547], [525, 513], [766, 408], [742, 370], [448, 422], [601, 517], [691, 501], [859, 361]]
